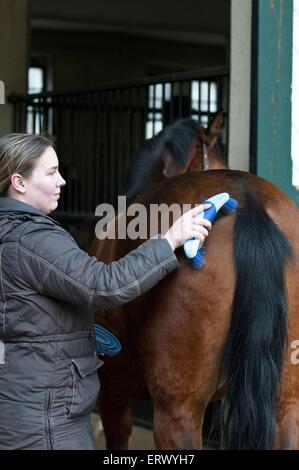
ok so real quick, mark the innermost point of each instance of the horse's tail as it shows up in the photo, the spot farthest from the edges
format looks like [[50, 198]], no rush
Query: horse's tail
[[255, 347]]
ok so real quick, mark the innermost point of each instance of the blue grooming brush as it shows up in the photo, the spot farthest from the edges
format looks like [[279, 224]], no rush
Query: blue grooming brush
[[193, 248], [107, 343]]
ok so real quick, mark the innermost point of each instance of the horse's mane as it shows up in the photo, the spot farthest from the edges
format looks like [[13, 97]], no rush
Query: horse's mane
[[146, 163]]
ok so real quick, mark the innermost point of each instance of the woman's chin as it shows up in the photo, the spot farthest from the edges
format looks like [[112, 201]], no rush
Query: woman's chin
[[52, 208]]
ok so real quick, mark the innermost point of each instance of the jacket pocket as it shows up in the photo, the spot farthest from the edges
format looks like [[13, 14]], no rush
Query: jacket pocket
[[81, 396]]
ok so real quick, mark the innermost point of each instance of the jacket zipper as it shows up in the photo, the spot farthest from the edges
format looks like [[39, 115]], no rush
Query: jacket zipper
[[48, 417]]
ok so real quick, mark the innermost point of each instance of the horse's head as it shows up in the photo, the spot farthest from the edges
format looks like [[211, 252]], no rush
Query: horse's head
[[205, 152], [180, 148]]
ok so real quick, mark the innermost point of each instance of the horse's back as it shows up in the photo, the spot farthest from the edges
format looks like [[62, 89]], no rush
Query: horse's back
[[218, 272]]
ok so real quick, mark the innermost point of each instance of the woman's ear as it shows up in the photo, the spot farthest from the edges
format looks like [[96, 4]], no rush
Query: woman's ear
[[17, 183]]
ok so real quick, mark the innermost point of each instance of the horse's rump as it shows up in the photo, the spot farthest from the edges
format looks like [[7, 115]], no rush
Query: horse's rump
[[173, 336]]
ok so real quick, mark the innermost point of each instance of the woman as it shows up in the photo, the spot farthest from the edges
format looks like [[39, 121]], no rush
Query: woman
[[49, 292]]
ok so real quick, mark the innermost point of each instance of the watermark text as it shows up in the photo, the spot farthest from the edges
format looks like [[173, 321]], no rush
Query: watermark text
[[136, 221], [295, 353]]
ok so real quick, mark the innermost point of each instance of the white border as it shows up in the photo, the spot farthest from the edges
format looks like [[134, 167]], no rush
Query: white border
[[295, 98]]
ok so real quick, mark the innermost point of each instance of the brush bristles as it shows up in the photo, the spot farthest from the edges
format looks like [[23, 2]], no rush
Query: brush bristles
[[199, 259]]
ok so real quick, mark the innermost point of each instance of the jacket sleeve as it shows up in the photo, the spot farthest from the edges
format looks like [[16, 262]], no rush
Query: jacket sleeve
[[53, 265]]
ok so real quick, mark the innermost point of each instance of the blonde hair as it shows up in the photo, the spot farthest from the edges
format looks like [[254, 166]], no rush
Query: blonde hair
[[19, 154]]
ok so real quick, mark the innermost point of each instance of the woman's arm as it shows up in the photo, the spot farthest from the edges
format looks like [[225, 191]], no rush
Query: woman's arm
[[53, 265]]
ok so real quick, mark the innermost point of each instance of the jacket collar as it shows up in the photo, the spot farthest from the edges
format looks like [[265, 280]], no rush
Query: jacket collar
[[9, 205]]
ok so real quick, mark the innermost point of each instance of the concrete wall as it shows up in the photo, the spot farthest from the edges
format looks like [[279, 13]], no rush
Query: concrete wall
[[80, 59], [191, 16], [240, 83], [14, 36]]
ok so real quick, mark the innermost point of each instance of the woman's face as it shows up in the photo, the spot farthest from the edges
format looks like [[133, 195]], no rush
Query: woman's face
[[44, 184]]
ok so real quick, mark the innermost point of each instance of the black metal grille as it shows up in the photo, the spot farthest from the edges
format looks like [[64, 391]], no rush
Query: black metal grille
[[98, 130]]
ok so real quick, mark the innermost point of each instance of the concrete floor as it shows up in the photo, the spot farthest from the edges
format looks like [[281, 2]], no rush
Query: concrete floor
[[141, 439]]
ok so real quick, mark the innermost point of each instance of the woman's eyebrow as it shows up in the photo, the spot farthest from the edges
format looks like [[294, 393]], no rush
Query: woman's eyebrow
[[53, 168]]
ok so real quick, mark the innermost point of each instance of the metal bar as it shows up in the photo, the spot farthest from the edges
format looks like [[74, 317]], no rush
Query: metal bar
[[180, 99], [193, 74], [154, 109], [171, 103]]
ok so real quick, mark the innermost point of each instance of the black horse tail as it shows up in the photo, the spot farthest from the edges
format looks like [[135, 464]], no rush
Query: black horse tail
[[255, 348]]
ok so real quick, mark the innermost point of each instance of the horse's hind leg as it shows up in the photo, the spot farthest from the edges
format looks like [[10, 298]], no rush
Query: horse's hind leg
[[116, 419], [178, 427], [287, 436]]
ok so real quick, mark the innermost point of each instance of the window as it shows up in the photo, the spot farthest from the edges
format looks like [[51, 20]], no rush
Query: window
[[157, 94], [36, 80], [36, 84], [198, 99], [204, 100]]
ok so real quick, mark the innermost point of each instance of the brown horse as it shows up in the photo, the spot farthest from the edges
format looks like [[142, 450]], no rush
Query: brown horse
[[229, 324], [179, 148]]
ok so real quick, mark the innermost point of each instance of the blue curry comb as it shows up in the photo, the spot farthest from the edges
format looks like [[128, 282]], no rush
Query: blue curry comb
[[194, 247], [107, 343]]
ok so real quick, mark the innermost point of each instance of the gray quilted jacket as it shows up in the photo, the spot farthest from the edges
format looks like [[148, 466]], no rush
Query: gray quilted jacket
[[49, 291]]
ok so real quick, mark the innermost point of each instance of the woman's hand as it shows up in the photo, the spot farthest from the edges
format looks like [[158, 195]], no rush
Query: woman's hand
[[187, 226]]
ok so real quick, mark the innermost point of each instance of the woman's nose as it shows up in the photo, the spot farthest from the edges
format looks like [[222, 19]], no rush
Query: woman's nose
[[62, 181]]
